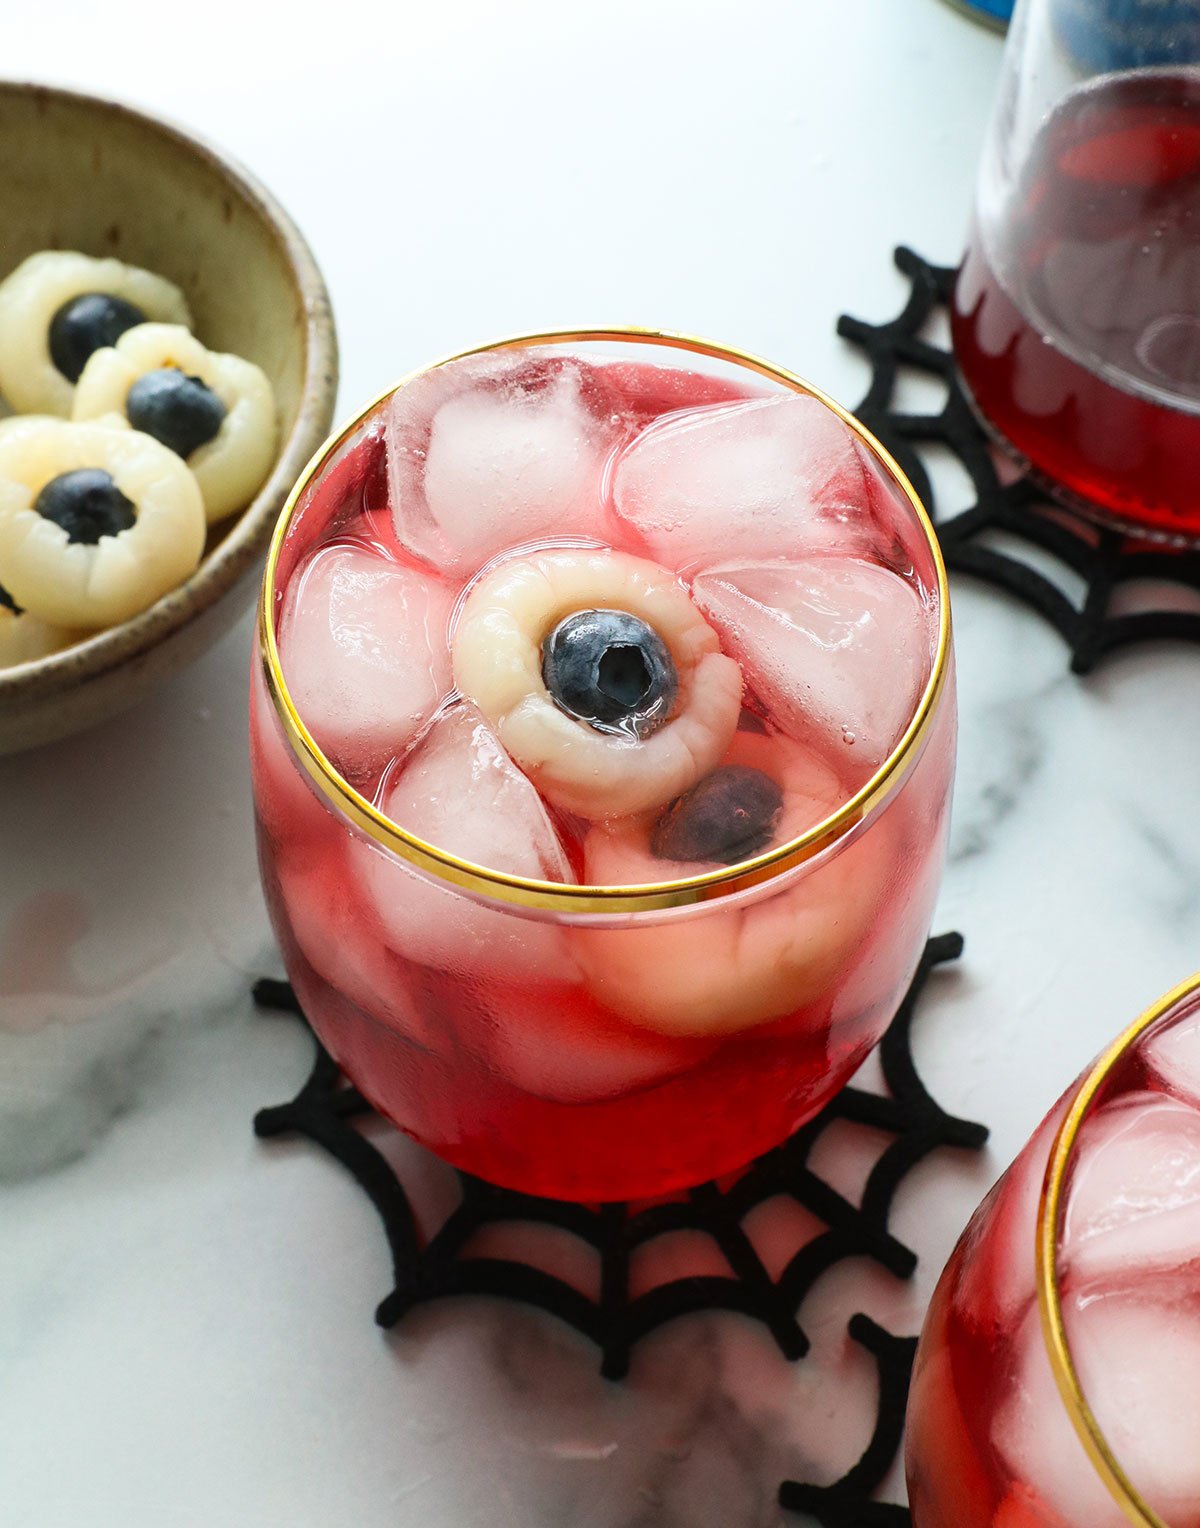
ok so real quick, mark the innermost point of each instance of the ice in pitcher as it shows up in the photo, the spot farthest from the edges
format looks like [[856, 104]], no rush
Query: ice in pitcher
[[606, 623]]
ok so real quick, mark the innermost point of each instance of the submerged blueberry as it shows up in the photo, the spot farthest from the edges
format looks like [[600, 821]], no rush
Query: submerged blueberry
[[729, 816], [180, 411], [87, 504], [85, 324], [611, 669]]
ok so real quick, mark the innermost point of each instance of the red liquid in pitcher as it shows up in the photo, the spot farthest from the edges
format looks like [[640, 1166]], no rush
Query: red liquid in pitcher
[[1077, 327]]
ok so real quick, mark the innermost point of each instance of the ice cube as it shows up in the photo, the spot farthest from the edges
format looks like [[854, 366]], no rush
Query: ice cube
[[562, 1045], [1172, 1058], [495, 450], [1138, 1360], [365, 653], [649, 390], [764, 478], [339, 936], [460, 791], [1134, 1193], [829, 644]]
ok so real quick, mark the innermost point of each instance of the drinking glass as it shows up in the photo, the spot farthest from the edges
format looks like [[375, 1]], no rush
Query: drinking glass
[[1076, 312], [625, 1035], [1057, 1380]]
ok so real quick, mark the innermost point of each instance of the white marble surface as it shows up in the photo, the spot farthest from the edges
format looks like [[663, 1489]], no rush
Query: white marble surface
[[185, 1315]]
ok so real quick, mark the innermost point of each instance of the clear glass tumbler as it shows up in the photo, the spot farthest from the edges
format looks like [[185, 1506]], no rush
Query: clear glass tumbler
[[1076, 312], [509, 923], [1057, 1380]]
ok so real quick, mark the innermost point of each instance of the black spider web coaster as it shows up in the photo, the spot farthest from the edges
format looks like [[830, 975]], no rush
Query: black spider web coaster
[[849, 1502], [1100, 589], [431, 1265]]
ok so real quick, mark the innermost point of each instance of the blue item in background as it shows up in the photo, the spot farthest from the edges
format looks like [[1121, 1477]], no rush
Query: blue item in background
[[994, 13], [1128, 34]]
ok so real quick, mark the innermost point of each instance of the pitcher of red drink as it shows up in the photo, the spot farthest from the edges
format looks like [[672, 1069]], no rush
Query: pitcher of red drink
[[1077, 309]]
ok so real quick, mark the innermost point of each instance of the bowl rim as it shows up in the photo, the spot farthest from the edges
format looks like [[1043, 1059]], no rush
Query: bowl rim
[[250, 531], [583, 898]]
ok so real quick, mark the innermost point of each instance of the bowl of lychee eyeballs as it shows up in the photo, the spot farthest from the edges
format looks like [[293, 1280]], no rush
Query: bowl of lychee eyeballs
[[168, 365]]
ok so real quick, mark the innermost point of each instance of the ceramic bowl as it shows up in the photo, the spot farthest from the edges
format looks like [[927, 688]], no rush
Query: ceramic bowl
[[78, 172]]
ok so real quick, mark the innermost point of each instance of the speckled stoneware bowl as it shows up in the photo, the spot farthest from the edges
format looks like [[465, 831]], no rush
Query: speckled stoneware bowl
[[77, 172]]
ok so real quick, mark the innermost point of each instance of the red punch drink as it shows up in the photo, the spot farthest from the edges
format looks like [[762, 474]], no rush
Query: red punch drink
[[602, 734], [1077, 313], [1057, 1382]]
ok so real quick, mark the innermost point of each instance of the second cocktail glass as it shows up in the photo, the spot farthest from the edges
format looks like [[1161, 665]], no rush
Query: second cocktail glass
[[1057, 1381], [602, 734]]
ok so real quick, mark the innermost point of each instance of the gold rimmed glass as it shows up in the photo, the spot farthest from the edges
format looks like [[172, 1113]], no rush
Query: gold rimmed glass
[[478, 1063], [996, 1338], [1178, 1005]]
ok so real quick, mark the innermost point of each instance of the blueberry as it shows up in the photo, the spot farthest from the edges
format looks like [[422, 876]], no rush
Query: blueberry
[[8, 603], [610, 669], [87, 504], [88, 323], [729, 816], [180, 411]]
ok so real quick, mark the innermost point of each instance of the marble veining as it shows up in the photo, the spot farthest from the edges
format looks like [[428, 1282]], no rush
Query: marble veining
[[992, 785]]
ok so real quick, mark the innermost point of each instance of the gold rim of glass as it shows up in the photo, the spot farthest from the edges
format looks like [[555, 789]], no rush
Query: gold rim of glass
[[1049, 1226], [580, 899]]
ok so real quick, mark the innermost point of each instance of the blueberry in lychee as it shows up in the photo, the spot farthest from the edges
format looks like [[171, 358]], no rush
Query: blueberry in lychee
[[87, 504], [86, 324], [180, 411], [610, 669]]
